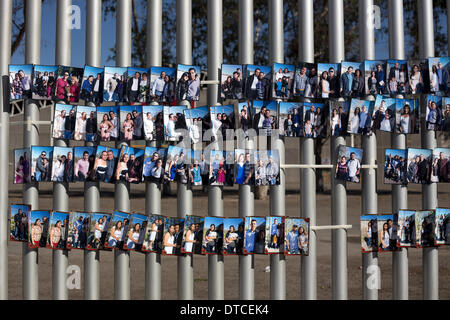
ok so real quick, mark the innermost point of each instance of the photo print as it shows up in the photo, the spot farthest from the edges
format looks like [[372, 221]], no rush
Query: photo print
[[44, 82], [188, 83], [38, 223], [296, 240], [138, 83], [62, 167], [20, 81], [289, 119], [314, 120], [136, 232], [221, 168], [274, 235], [57, 232], [419, 165], [18, 222], [352, 79], [154, 162], [339, 117], [233, 240], [162, 85], [397, 80], [64, 120], [264, 116], [348, 165], [418, 77], [442, 226], [283, 81], [433, 116], [369, 233], [22, 166], [86, 124], [129, 168], [92, 85], [445, 125], [245, 117], [212, 235], [154, 234], [78, 230], [254, 235], [257, 82], [108, 123], [267, 167], [383, 118], [232, 82], [244, 167], [395, 166], [195, 171], [439, 79], [178, 164], [117, 230], [198, 121], [174, 123], [193, 234], [222, 119], [375, 77], [360, 116], [306, 82], [68, 84], [440, 165], [41, 163], [114, 89], [131, 123], [425, 228], [153, 123], [173, 236], [104, 169], [98, 230], [329, 80], [407, 118], [387, 226], [406, 236]]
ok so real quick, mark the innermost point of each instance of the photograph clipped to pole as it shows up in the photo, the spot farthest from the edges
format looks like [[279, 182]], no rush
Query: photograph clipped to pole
[[22, 166], [283, 81], [406, 236], [98, 230], [351, 81], [442, 227], [153, 238], [212, 235], [369, 233], [162, 85], [395, 166], [18, 222], [173, 236], [108, 123], [274, 242], [154, 163], [64, 120], [135, 233], [254, 235], [92, 85], [233, 236], [44, 82], [57, 230], [193, 234], [387, 225], [78, 230], [20, 83], [38, 223], [231, 82], [296, 236]]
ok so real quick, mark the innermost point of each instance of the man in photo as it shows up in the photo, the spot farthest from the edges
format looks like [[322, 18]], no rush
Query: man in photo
[[443, 168], [193, 85], [262, 87], [204, 171], [249, 169], [110, 166], [87, 93], [98, 89], [394, 73], [301, 81], [69, 125], [91, 127], [422, 169], [26, 83], [58, 125], [292, 240], [137, 120], [259, 118], [354, 168], [250, 87], [236, 85], [148, 126], [363, 120], [133, 88], [41, 169], [347, 83], [158, 87], [274, 234], [333, 79], [250, 237], [111, 86], [442, 74], [114, 121], [380, 75]]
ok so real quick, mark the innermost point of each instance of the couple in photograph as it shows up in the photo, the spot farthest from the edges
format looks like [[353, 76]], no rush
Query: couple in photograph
[[63, 168], [92, 89], [20, 225], [42, 171], [232, 86], [104, 167], [100, 231], [257, 87], [439, 78], [64, 125], [188, 87], [263, 122], [58, 235], [297, 240], [220, 124], [22, 169], [352, 83], [44, 85], [395, 168], [177, 169], [172, 239], [129, 169], [218, 171], [376, 83], [68, 88], [266, 172], [255, 238], [133, 126], [135, 236], [419, 170], [108, 127], [38, 233], [360, 120], [306, 85], [84, 168], [163, 89], [153, 170], [20, 86], [292, 124], [244, 170], [348, 170], [329, 84], [339, 122], [370, 235], [115, 88], [388, 236], [383, 119], [86, 128], [154, 128], [154, 236], [137, 87]]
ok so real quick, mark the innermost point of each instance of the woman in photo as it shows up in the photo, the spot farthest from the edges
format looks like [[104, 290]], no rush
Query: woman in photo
[[384, 245], [226, 124], [133, 236], [342, 169], [415, 80], [260, 174], [434, 175], [190, 239], [128, 128], [80, 127], [325, 85], [169, 240], [432, 120], [74, 89], [115, 234], [319, 123], [182, 87], [122, 168], [221, 175], [434, 79], [152, 236], [36, 233], [196, 177], [134, 170], [245, 121], [368, 234], [355, 121], [106, 127], [55, 234], [406, 120], [101, 166], [62, 87], [288, 126], [302, 241], [211, 239], [98, 233], [335, 123], [159, 127], [58, 169], [227, 88], [17, 87], [358, 84], [240, 172], [144, 89], [231, 239], [19, 172], [173, 168], [372, 83]]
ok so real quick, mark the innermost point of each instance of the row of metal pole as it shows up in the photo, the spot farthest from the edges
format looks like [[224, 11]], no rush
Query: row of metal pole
[[215, 195]]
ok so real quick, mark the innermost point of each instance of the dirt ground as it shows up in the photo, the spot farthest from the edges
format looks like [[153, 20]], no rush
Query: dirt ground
[[231, 263]]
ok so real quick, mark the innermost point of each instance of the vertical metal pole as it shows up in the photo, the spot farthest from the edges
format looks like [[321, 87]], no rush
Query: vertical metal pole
[[61, 189], [308, 176], [338, 190], [5, 54], [277, 193], [246, 192], [184, 192], [369, 144], [429, 191], [92, 189], [30, 283], [152, 190], [398, 141], [122, 189], [215, 195]]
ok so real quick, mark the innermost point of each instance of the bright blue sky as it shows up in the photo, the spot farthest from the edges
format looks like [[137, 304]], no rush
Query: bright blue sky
[[395, 152], [78, 151], [227, 222]]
